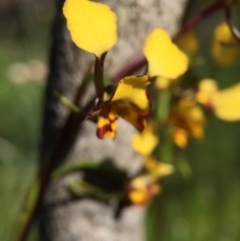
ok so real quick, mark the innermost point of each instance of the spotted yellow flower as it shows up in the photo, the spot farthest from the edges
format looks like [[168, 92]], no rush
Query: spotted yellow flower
[[207, 88], [143, 188], [129, 101]]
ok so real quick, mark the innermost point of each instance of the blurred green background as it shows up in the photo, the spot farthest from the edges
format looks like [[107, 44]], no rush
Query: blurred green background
[[205, 206], [24, 43]]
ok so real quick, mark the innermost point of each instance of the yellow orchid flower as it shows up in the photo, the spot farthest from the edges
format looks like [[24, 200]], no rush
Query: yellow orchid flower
[[225, 48], [143, 188], [224, 103], [129, 101], [207, 88], [164, 57], [187, 118]]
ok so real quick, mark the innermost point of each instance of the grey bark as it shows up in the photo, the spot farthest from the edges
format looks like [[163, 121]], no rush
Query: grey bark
[[85, 219]]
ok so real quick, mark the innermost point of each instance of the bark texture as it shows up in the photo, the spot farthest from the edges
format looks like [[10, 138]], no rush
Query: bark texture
[[85, 219]]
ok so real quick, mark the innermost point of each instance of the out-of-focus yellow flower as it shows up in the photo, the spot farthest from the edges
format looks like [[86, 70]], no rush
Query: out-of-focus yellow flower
[[164, 57], [162, 83], [188, 43], [206, 89], [92, 25], [225, 48], [224, 103], [186, 115], [145, 142], [129, 101], [180, 137], [143, 188]]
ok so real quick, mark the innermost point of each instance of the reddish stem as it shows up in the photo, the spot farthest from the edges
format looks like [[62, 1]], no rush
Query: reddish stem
[[139, 60]]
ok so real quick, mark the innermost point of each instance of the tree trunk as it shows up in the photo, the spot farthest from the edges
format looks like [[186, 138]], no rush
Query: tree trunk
[[86, 219]]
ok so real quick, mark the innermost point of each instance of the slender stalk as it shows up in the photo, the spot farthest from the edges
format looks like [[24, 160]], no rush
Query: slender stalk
[[98, 76], [202, 15], [233, 29]]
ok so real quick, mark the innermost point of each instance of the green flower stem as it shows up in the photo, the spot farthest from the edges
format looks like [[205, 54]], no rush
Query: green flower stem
[[183, 165], [163, 100], [67, 102], [98, 76], [162, 115], [86, 189]]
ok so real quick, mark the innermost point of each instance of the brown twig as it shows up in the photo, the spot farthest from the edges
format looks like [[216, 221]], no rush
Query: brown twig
[[139, 60]]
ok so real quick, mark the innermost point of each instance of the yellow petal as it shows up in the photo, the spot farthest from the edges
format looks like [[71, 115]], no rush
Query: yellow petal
[[163, 56], [131, 113], [145, 142], [225, 48], [226, 103], [133, 89], [92, 25]]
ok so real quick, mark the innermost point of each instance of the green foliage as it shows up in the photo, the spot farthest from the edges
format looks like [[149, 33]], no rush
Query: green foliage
[[19, 136], [101, 180]]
